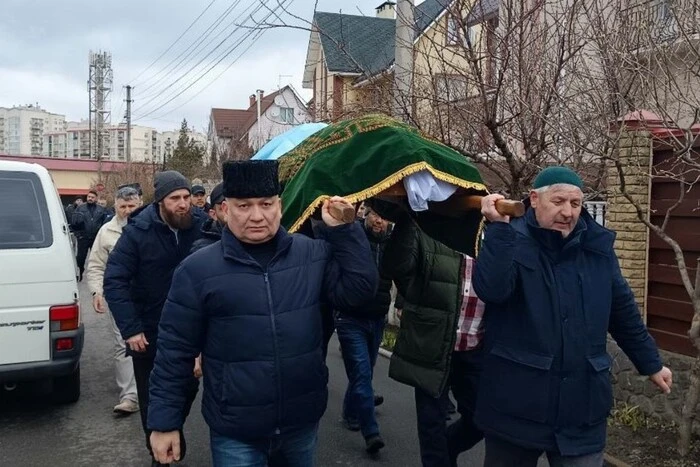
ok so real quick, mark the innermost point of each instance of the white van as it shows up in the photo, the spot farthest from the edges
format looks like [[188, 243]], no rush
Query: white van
[[41, 331]]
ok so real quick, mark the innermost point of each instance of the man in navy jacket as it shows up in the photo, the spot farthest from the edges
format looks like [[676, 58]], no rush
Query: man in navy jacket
[[553, 290], [139, 271], [251, 305]]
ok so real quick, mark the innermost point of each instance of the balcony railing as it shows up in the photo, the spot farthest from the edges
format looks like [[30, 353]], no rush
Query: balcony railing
[[655, 22], [597, 210]]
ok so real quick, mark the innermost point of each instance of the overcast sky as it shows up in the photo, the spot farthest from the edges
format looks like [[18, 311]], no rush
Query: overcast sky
[[44, 48]]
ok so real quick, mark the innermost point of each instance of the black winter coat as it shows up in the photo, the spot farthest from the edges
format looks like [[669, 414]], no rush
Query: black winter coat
[[87, 220], [378, 306], [211, 233], [140, 269]]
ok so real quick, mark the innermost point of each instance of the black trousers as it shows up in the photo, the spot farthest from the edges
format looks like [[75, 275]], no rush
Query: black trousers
[[84, 244], [440, 444], [502, 453], [143, 366]]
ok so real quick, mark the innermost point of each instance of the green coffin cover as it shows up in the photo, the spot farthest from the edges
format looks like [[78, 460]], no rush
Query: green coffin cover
[[360, 158]]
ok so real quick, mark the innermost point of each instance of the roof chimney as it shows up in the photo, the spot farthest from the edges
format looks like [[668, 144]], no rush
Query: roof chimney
[[251, 100], [387, 10]]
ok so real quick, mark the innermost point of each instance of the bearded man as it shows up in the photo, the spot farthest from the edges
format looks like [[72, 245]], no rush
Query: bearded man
[[139, 272]]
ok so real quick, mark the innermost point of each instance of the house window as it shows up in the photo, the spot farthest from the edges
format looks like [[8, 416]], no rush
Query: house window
[[450, 88], [452, 30], [287, 114]]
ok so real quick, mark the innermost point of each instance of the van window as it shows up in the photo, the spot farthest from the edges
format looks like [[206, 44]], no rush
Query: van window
[[24, 215]]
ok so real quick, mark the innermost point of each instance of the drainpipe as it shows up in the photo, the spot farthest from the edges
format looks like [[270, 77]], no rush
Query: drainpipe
[[259, 98]]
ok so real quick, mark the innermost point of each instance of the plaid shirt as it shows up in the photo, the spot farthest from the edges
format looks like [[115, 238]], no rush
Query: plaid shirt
[[469, 329]]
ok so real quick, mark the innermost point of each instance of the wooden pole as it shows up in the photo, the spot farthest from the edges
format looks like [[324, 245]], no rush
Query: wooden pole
[[453, 207]]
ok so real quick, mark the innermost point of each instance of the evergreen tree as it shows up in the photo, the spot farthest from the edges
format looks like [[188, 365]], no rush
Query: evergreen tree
[[187, 156]]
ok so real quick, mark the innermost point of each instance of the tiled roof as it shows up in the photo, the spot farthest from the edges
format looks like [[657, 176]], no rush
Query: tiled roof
[[483, 10], [356, 44], [234, 123], [427, 12], [229, 122], [365, 44]]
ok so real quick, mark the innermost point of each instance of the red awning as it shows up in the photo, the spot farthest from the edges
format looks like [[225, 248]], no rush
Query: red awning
[[72, 191], [84, 165]]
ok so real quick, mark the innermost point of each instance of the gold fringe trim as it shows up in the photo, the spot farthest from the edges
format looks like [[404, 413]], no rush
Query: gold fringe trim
[[479, 235], [386, 183]]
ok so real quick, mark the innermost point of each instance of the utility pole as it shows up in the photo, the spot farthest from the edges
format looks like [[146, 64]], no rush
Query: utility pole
[[403, 60], [90, 111], [258, 99], [128, 124]]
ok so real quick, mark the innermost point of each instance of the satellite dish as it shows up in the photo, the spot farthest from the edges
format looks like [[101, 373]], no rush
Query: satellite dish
[[279, 100], [275, 112]]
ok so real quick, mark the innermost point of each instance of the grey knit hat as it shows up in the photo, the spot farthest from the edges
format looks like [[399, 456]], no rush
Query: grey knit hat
[[167, 182]]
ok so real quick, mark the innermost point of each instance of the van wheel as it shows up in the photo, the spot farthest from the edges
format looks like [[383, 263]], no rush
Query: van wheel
[[66, 389]]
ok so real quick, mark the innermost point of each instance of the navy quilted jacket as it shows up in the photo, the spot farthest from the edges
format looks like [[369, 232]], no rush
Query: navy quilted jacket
[[259, 331], [139, 271], [550, 305]]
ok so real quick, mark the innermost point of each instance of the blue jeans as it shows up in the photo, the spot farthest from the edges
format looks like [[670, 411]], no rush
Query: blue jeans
[[359, 340], [291, 449]]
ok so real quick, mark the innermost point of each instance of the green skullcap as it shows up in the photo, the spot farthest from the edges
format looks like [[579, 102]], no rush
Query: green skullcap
[[557, 174]]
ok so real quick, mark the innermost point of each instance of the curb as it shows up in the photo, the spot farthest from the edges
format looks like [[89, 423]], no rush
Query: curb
[[385, 353], [614, 461]]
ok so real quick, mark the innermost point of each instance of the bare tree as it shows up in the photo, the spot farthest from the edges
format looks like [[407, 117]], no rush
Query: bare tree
[[490, 84], [645, 59], [136, 172]]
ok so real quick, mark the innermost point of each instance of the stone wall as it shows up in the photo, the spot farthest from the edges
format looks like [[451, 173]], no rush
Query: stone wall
[[631, 388], [634, 152]]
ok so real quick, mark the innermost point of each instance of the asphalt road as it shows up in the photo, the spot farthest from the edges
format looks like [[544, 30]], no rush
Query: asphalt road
[[34, 432]]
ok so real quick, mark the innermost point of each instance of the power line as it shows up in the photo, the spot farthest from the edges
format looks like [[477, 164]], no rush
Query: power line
[[226, 53], [166, 89], [257, 33], [182, 91], [170, 68], [121, 106], [176, 41], [213, 80]]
